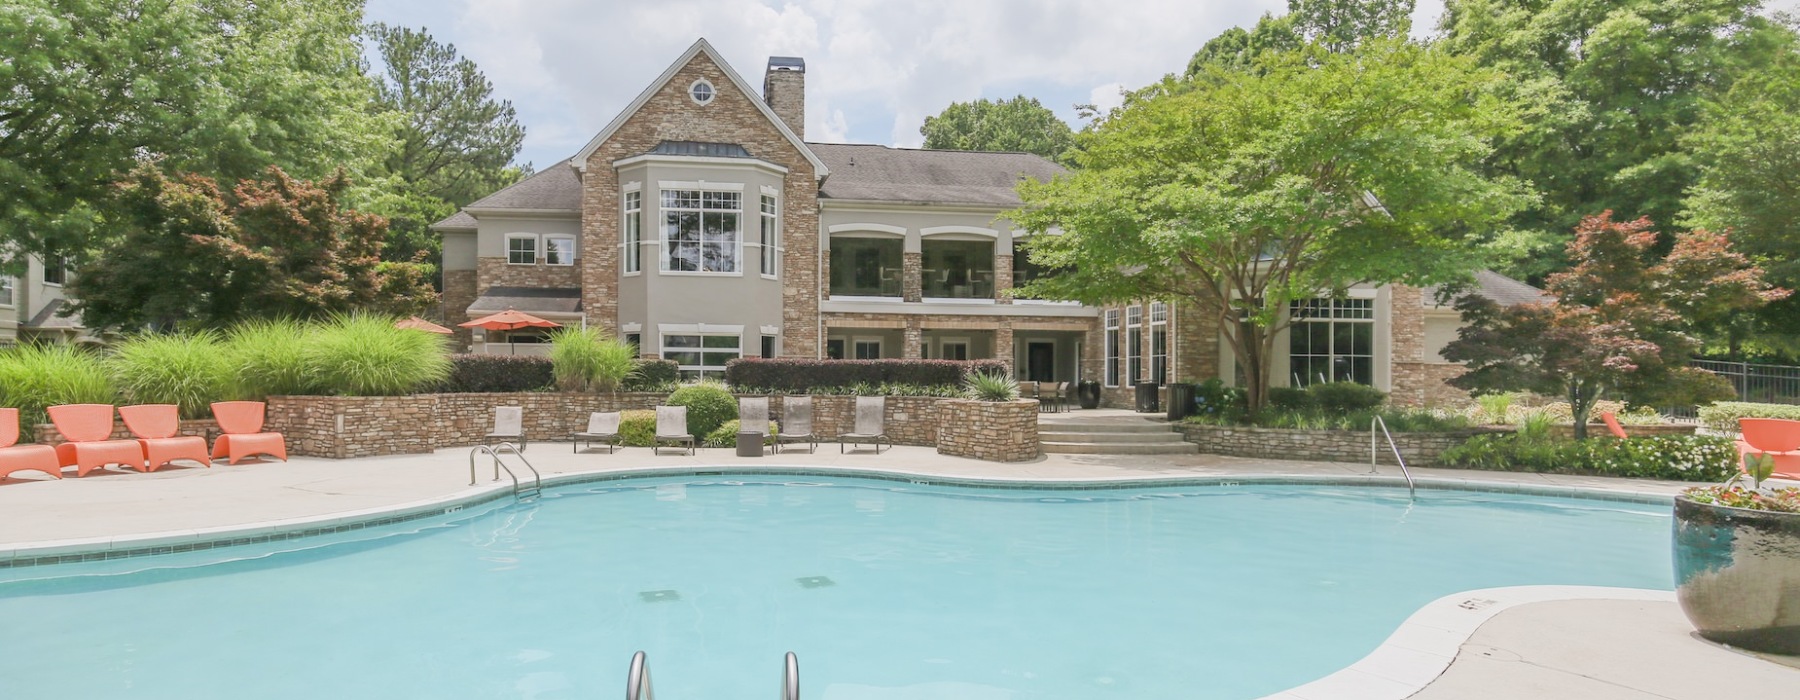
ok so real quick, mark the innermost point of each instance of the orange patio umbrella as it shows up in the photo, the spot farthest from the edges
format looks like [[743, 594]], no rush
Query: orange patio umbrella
[[419, 324], [510, 320]]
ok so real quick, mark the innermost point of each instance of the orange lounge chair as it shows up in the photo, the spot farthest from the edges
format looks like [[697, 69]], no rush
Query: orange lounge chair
[[88, 427], [1775, 437], [1612, 425], [19, 458], [242, 423], [154, 426]]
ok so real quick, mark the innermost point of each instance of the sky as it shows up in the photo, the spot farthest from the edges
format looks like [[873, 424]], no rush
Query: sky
[[874, 68]]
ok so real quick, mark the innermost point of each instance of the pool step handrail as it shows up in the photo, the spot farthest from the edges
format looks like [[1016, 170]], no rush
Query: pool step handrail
[[1373, 449], [790, 677], [637, 680], [519, 492]]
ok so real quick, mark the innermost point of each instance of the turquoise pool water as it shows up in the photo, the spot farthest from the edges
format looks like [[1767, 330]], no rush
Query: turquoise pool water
[[887, 591]]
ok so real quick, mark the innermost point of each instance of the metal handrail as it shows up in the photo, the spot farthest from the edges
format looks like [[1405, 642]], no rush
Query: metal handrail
[[1378, 422], [790, 678], [537, 480], [637, 680]]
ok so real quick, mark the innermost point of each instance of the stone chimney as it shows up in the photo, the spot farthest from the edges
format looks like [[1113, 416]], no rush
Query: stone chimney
[[784, 88]]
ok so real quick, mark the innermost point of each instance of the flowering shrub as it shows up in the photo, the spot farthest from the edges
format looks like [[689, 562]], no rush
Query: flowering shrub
[[1672, 457], [1780, 500], [1723, 416]]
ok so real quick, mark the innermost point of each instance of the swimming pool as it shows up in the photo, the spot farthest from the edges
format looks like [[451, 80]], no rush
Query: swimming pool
[[886, 590]]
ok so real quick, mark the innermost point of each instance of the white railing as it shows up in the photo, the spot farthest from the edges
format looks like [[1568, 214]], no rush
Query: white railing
[[1379, 423]]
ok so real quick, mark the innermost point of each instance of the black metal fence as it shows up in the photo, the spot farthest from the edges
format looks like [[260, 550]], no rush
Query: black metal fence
[[1753, 382]]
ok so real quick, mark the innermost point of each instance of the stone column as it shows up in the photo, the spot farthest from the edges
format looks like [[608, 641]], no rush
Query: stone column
[[1003, 344], [912, 265], [1003, 281], [1194, 343], [912, 338]]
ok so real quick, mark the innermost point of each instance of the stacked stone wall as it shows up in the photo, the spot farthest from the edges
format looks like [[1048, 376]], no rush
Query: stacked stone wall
[[1419, 449], [47, 434], [994, 431]]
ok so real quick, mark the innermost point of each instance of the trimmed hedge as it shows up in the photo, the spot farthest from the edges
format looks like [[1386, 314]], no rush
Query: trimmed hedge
[[653, 375], [800, 375], [1673, 457], [1723, 416], [497, 373]]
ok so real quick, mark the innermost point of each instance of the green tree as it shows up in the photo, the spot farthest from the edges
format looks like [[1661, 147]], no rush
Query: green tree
[[1615, 86], [453, 141], [1245, 192], [1334, 25], [1019, 124], [273, 247], [1622, 321]]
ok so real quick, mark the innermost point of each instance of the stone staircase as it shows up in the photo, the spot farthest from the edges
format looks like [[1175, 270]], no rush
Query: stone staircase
[[1109, 433]]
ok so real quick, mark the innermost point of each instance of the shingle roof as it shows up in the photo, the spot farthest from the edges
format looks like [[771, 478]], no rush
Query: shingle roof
[[460, 221], [555, 187], [52, 318], [1503, 290], [880, 173], [700, 148], [534, 300]]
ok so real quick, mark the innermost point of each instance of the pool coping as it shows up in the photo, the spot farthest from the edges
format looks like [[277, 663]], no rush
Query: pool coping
[[91, 549]]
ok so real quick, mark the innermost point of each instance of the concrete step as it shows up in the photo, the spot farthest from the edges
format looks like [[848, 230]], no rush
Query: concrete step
[[1123, 426], [1125, 448], [1109, 437]]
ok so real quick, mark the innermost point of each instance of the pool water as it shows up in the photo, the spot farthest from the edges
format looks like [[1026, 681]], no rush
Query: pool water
[[886, 591]]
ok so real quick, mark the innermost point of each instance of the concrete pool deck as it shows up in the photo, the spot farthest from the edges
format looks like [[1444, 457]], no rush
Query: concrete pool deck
[[1591, 648]]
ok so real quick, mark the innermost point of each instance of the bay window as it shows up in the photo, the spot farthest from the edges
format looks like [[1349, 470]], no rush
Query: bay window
[[770, 236], [633, 231], [700, 230]]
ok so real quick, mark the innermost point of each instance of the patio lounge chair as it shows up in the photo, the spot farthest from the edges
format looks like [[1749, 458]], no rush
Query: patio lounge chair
[[1775, 437], [1612, 425], [671, 427], [753, 415], [509, 426], [18, 458], [871, 424], [797, 423], [242, 425], [88, 428], [601, 427], [155, 427]]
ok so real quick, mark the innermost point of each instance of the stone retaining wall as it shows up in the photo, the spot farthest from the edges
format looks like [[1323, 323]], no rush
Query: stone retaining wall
[[994, 431], [46, 433], [1419, 449]]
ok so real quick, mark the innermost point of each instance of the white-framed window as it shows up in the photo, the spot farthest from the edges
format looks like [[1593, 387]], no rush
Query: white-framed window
[[768, 346], [634, 232], [1159, 343], [700, 231], [1331, 340], [867, 348], [702, 92], [770, 235], [1134, 344], [6, 290], [1111, 370], [559, 249], [56, 271], [702, 355], [521, 249]]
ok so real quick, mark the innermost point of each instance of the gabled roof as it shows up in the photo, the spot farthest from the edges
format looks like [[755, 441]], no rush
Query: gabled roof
[[53, 317], [699, 47], [460, 221], [1498, 288], [556, 189], [879, 173]]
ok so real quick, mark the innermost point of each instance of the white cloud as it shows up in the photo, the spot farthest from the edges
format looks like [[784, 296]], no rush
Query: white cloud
[[1106, 97]]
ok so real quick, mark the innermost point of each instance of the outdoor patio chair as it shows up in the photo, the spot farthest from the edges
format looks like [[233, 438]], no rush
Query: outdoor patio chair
[[1064, 394], [509, 426], [797, 423], [88, 428], [671, 427], [871, 424], [753, 415], [601, 427], [1612, 425], [155, 427], [1775, 437], [242, 425], [19, 458]]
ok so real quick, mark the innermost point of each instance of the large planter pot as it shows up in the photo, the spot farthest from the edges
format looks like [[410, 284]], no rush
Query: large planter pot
[[1737, 575]]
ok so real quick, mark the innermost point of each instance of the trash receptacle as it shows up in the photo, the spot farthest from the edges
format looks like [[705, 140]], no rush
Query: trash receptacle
[[1088, 393], [1181, 401], [1146, 398], [750, 444]]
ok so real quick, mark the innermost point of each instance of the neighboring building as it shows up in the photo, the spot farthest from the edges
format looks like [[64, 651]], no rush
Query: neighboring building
[[701, 225], [32, 307]]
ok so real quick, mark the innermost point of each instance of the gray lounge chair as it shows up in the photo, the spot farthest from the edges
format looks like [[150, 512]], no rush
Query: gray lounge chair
[[797, 423], [602, 428], [671, 427], [871, 424], [509, 426], [753, 415]]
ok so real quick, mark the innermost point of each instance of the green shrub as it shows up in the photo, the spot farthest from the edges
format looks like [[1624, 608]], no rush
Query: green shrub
[[1672, 457], [1339, 398], [992, 386], [1723, 416], [268, 357], [584, 360], [1213, 399], [726, 435], [637, 428], [1399, 420], [708, 404], [798, 376], [948, 391], [653, 375], [1495, 408], [33, 377], [496, 373], [1287, 398], [190, 370], [365, 355]]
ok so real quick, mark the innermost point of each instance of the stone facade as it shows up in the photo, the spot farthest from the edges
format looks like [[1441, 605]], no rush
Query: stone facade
[[459, 293], [1419, 449], [912, 271], [46, 433], [1425, 384], [496, 272], [1003, 281], [994, 431]]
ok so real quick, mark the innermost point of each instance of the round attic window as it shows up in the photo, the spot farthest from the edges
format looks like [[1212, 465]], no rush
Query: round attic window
[[701, 92]]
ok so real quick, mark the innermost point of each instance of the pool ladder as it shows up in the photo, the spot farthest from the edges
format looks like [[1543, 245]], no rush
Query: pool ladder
[[1379, 423], [637, 680], [520, 492]]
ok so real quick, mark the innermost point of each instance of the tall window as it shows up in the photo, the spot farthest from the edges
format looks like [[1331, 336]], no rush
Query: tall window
[[6, 291], [1112, 347], [559, 250], [768, 346], [56, 270], [867, 267], [1159, 343], [769, 236], [868, 349], [701, 355], [957, 269], [1134, 344], [521, 249], [1332, 340], [700, 230], [634, 232]]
